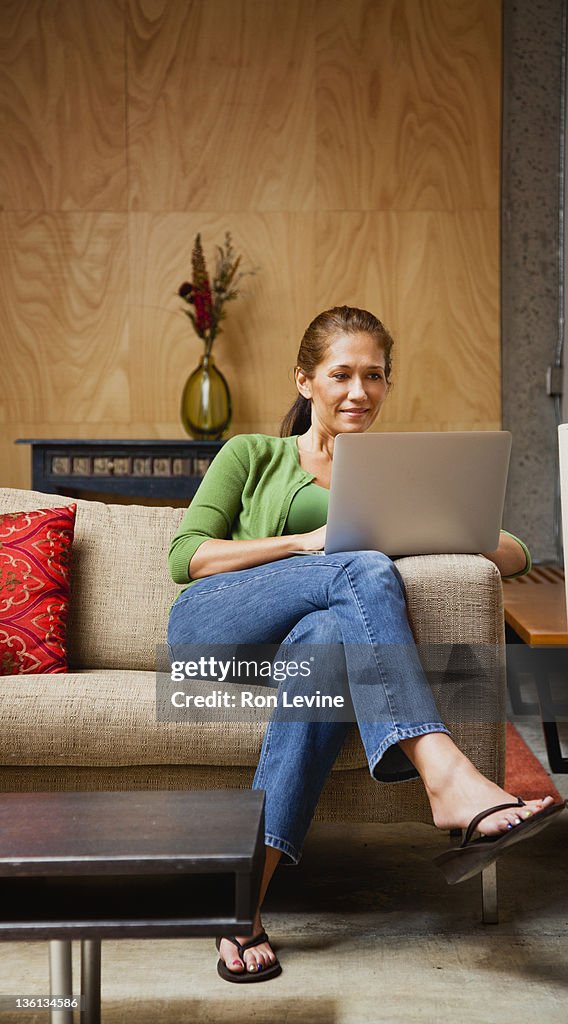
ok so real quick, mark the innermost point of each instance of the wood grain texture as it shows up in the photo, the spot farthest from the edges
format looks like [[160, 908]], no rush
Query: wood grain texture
[[407, 104], [261, 334], [63, 289], [63, 105], [352, 148], [221, 105], [433, 278], [15, 462]]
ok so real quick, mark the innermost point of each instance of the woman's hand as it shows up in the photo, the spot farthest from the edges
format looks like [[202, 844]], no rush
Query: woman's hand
[[312, 541]]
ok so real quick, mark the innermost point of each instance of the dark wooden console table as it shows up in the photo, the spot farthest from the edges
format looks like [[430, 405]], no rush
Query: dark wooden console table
[[144, 469], [145, 864]]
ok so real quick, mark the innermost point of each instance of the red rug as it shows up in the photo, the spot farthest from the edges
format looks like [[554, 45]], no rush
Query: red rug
[[524, 774]]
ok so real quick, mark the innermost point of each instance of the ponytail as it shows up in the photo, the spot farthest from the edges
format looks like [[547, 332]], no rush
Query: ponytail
[[298, 419]]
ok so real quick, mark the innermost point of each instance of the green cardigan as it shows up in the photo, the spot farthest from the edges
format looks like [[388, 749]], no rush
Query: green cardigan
[[245, 494]]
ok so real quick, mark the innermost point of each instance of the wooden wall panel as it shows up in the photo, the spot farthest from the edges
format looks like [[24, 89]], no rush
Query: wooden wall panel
[[221, 105], [15, 461], [433, 279], [262, 331], [352, 148], [63, 292], [408, 116], [63, 105]]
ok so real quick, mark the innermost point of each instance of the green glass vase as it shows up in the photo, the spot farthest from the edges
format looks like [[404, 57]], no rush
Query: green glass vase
[[206, 402]]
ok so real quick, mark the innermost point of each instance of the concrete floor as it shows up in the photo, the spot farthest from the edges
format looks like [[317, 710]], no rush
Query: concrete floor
[[367, 931]]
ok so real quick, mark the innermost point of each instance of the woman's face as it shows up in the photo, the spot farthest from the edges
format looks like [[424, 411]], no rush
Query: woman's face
[[348, 387]]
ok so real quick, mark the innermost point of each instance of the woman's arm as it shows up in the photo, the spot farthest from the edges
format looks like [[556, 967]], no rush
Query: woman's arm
[[213, 556], [201, 545], [213, 508], [510, 557]]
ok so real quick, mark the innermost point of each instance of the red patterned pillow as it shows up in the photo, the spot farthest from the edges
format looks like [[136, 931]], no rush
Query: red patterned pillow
[[35, 551]]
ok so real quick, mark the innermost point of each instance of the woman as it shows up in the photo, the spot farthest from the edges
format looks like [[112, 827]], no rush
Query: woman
[[263, 500]]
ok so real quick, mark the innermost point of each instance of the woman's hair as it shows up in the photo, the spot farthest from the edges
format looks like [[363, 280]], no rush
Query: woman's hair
[[313, 346]]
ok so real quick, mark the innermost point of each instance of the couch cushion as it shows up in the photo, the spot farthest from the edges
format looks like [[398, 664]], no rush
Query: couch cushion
[[35, 552], [109, 718], [121, 590]]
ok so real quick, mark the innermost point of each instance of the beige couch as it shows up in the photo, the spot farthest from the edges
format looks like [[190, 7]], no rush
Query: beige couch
[[96, 727]]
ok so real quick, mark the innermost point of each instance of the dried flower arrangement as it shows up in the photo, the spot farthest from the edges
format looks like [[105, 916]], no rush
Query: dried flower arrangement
[[208, 298]]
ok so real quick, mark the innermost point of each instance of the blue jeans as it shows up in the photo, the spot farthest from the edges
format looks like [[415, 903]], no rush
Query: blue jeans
[[354, 599]]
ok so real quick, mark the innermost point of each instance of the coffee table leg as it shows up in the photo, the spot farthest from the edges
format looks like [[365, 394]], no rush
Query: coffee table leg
[[91, 981], [60, 978]]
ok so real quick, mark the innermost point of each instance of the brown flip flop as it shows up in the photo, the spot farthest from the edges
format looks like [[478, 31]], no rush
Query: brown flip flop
[[474, 855], [263, 974]]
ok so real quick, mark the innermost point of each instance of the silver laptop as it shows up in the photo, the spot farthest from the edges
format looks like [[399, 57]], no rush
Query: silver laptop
[[418, 493]]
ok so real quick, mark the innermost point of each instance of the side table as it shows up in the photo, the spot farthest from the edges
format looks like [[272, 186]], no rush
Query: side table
[[136, 864], [144, 469], [537, 645]]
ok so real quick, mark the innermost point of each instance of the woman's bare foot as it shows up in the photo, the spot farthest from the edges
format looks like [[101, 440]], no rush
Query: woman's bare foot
[[261, 954], [458, 791], [465, 796]]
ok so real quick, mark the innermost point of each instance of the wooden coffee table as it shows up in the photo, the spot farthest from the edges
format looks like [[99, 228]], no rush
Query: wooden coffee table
[[125, 865]]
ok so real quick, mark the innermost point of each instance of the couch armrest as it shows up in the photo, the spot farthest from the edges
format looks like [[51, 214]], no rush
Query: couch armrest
[[453, 599]]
